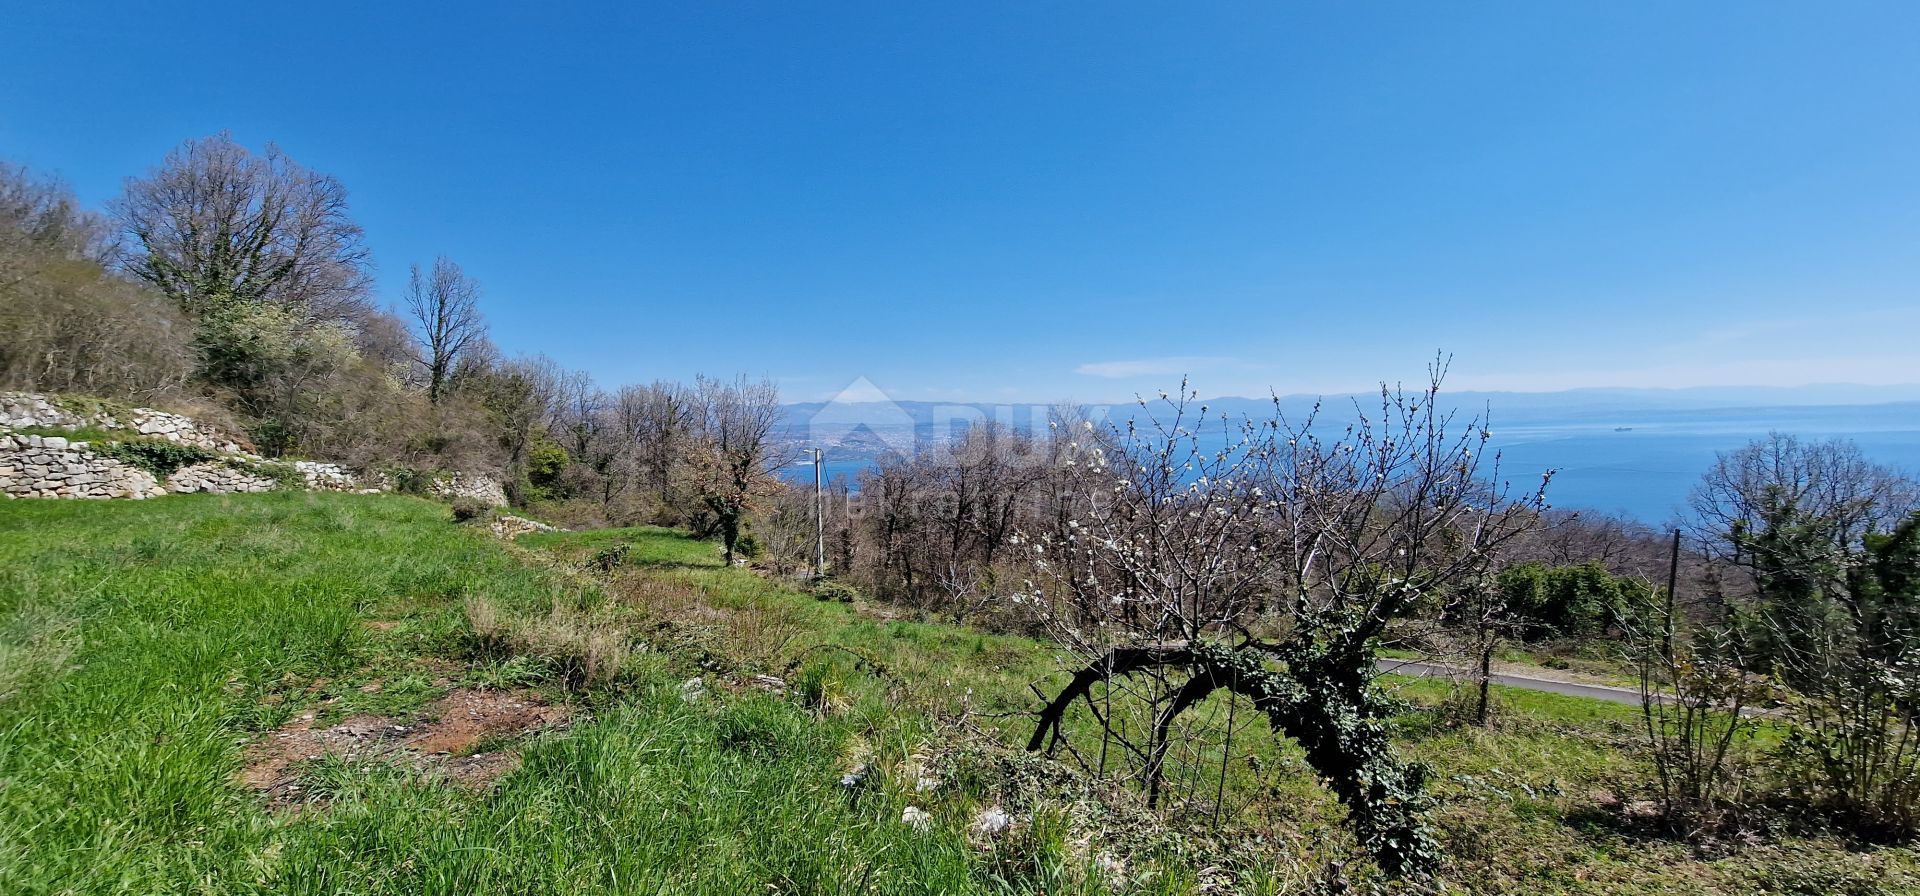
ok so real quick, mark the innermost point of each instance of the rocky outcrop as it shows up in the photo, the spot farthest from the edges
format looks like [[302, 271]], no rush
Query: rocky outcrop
[[511, 527]]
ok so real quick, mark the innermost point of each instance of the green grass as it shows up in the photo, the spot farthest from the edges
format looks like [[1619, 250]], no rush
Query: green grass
[[144, 636], [76, 433], [144, 644]]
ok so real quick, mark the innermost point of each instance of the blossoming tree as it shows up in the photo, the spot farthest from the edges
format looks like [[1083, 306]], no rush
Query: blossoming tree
[[1263, 560]]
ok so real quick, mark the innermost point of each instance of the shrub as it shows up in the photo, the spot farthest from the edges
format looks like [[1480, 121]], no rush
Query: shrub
[[156, 456], [609, 558], [829, 589], [408, 481], [468, 509]]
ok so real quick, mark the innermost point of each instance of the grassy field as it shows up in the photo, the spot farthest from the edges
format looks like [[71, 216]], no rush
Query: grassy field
[[723, 733]]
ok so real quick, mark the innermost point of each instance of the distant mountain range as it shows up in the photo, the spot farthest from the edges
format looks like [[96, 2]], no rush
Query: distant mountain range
[[883, 418]]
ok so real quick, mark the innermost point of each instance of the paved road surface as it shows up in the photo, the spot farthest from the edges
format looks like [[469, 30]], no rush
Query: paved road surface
[[1589, 691]]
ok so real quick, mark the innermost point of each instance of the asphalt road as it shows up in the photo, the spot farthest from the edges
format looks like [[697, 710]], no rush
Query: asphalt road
[[1589, 691]]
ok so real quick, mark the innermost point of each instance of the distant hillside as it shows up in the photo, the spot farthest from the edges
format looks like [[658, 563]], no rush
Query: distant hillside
[[1569, 406]]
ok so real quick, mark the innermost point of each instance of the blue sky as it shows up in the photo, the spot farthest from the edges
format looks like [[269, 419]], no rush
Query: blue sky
[[1037, 201]]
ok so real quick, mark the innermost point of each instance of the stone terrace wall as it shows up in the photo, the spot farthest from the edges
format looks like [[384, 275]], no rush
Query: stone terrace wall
[[19, 410], [217, 478], [463, 485], [52, 467], [48, 466]]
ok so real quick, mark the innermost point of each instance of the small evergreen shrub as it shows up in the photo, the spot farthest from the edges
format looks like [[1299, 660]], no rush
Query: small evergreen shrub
[[408, 481], [157, 456]]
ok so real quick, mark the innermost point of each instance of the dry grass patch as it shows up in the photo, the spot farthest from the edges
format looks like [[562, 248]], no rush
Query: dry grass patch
[[446, 740]]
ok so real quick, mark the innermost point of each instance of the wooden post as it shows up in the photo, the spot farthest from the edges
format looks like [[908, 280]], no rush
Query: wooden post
[[1673, 584]]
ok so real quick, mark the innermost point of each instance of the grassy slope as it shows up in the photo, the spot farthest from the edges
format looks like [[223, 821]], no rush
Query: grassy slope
[[144, 643]]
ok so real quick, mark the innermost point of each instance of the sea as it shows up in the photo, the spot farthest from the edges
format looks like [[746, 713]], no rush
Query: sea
[[1644, 469], [1637, 464]]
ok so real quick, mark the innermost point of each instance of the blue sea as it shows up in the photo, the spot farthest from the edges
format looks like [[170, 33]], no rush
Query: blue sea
[[1646, 470], [1642, 464]]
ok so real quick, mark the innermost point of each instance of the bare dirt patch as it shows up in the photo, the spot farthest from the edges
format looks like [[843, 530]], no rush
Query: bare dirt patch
[[441, 741]]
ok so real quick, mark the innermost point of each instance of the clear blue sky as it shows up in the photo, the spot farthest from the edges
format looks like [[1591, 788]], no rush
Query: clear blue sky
[[1038, 201]]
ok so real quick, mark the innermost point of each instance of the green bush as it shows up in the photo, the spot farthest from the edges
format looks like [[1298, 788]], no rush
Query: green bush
[[156, 456], [467, 509], [609, 558], [828, 589]]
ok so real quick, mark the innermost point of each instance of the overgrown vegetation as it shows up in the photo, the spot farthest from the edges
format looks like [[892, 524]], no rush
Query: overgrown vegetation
[[157, 456], [1186, 585], [121, 737], [234, 285]]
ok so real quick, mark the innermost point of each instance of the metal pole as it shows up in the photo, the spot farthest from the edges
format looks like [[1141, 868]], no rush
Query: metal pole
[[819, 518]]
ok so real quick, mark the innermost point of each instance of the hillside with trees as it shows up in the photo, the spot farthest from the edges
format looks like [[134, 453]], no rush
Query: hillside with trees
[[1147, 653]]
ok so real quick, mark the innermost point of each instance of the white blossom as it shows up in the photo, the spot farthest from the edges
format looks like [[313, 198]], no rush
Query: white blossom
[[916, 818]]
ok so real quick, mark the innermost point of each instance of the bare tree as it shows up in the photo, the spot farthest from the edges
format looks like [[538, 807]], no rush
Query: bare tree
[[1827, 485], [1826, 548], [1258, 560], [216, 223], [664, 418], [41, 223], [67, 323], [944, 518], [735, 463], [445, 306]]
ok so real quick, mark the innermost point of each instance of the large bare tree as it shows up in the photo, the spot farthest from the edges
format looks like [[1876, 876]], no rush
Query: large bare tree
[[216, 223], [734, 464], [445, 307]]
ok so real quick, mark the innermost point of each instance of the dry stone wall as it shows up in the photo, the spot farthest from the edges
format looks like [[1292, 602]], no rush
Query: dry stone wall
[[51, 466], [464, 485], [19, 410], [214, 477]]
